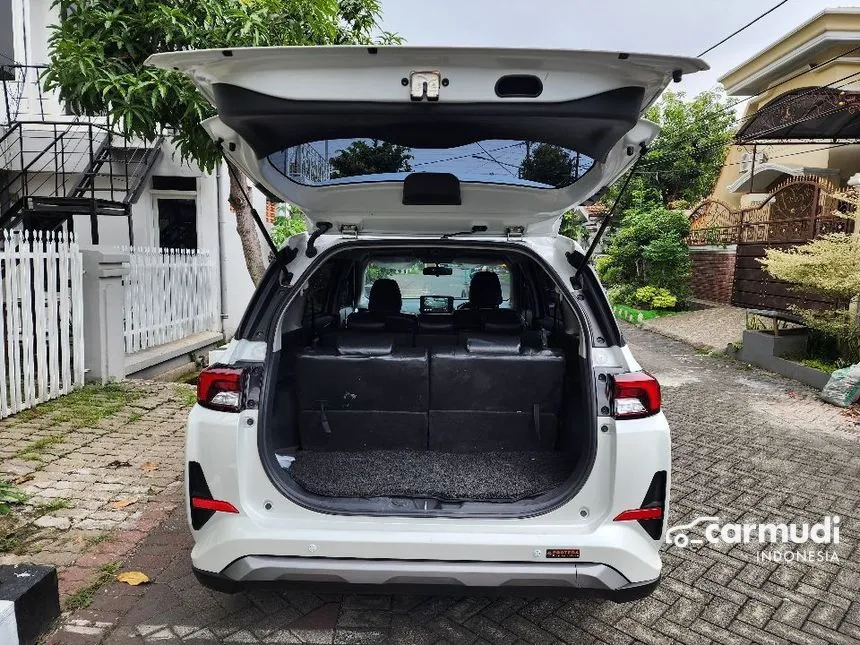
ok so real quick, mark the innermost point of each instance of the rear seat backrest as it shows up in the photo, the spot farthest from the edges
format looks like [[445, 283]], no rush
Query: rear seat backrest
[[363, 395], [494, 395]]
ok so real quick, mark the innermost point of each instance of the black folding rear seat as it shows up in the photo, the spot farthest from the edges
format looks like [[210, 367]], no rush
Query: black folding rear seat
[[494, 395], [435, 330], [363, 394]]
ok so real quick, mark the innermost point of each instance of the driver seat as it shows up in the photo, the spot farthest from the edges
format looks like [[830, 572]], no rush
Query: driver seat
[[383, 311]]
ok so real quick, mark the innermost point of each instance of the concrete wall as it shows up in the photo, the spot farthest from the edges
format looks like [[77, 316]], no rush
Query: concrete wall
[[713, 273]]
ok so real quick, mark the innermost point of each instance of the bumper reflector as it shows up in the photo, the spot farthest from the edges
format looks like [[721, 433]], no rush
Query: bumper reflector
[[638, 514], [204, 504]]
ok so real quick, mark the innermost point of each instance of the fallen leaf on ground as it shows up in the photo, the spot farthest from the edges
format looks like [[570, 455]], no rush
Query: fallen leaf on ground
[[123, 503], [133, 578], [148, 466], [23, 479]]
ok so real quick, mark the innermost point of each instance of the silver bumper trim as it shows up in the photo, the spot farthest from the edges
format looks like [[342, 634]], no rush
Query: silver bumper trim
[[258, 568]]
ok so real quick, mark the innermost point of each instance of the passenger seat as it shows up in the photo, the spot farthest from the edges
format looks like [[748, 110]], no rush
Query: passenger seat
[[482, 312]]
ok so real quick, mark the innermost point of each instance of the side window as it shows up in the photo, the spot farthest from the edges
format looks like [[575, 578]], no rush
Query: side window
[[316, 293]]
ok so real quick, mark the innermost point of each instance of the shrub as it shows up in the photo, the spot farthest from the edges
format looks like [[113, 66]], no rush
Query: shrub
[[836, 328], [651, 297], [622, 294], [830, 266], [648, 249]]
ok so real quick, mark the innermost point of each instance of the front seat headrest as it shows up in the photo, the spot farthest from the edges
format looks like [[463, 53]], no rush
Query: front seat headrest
[[485, 290], [384, 297]]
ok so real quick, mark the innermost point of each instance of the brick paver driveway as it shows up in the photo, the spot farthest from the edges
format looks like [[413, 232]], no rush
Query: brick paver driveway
[[748, 446]]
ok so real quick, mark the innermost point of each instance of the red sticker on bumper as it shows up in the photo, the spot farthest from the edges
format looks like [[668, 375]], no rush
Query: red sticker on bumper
[[562, 553]]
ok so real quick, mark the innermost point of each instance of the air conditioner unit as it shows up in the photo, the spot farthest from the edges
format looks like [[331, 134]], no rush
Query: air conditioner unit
[[747, 159]]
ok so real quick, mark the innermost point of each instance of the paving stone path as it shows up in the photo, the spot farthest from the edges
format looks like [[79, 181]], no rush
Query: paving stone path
[[746, 445], [92, 465]]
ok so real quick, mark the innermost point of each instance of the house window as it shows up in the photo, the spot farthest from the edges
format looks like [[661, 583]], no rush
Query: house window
[[169, 182], [177, 223]]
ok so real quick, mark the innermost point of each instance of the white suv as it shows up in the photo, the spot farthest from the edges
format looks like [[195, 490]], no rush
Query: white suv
[[430, 388]]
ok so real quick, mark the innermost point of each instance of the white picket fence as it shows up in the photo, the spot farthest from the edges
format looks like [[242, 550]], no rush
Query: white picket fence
[[169, 295], [41, 319]]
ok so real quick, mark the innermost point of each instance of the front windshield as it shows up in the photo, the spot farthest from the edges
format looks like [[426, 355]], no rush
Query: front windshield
[[409, 276]]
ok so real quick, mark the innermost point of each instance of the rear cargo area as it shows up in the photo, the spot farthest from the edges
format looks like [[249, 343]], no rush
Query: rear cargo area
[[444, 476], [484, 404], [483, 418]]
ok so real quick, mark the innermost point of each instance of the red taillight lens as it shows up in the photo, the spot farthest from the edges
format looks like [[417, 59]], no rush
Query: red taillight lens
[[635, 395], [205, 504], [639, 514], [220, 388]]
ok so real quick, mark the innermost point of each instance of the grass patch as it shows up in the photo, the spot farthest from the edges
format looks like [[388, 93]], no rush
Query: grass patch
[[31, 451], [9, 496], [9, 544], [815, 363], [80, 408], [53, 505], [636, 316], [188, 396], [98, 538], [83, 597]]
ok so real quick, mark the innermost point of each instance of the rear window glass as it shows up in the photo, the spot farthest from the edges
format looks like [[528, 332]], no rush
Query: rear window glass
[[526, 163], [409, 276]]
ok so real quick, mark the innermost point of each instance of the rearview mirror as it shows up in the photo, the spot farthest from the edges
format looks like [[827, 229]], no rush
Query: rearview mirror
[[438, 270]]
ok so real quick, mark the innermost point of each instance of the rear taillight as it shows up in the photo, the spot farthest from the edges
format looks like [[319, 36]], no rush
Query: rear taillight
[[635, 395], [220, 388]]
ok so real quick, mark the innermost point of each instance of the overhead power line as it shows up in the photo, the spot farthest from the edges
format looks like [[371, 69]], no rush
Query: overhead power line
[[744, 28]]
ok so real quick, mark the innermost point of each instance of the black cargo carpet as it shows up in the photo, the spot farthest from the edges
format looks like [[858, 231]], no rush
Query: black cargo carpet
[[488, 476]]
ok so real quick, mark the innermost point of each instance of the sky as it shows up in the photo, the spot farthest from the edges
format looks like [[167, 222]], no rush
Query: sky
[[682, 27]]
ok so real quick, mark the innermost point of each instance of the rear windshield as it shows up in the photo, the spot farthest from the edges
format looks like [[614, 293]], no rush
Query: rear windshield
[[526, 163], [413, 283]]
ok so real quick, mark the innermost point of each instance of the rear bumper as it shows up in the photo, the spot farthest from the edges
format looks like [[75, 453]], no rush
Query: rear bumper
[[600, 579]]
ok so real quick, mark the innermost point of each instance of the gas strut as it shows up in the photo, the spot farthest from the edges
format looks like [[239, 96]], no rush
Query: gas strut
[[608, 219]]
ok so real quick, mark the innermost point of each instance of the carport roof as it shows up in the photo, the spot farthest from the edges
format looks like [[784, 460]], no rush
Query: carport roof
[[806, 114]]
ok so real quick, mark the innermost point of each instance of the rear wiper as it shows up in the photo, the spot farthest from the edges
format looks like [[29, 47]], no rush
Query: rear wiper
[[475, 229]]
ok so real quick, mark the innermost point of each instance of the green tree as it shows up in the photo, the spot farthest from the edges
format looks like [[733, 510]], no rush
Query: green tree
[[573, 226], [648, 250], [98, 50], [547, 164], [361, 159], [685, 159], [289, 221]]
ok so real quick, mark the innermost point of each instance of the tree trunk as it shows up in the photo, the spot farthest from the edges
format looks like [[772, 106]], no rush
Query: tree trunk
[[246, 227]]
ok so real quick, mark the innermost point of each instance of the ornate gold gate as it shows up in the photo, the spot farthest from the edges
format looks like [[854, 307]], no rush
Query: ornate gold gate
[[798, 211]]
